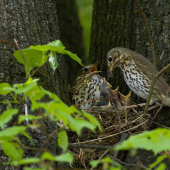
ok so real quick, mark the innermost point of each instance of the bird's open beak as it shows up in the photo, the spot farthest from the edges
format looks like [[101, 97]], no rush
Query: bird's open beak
[[94, 68]]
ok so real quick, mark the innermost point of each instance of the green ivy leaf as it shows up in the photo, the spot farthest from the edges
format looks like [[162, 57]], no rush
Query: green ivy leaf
[[66, 157], [47, 156], [6, 116], [10, 150], [29, 117], [3, 87], [156, 141], [63, 140]]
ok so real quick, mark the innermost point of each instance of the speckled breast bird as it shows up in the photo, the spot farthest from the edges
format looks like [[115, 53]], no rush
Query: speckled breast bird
[[138, 74], [85, 92]]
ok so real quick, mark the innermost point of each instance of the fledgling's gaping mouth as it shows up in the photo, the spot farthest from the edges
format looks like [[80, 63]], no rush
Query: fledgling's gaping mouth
[[94, 68]]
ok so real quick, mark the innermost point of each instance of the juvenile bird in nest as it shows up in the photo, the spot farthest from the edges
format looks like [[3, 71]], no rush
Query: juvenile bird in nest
[[85, 92], [113, 97], [138, 73]]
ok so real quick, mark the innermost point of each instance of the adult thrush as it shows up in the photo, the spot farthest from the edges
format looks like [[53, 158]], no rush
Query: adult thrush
[[138, 74], [85, 92]]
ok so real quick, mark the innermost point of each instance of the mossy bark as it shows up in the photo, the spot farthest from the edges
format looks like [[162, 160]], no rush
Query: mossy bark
[[30, 22], [71, 36]]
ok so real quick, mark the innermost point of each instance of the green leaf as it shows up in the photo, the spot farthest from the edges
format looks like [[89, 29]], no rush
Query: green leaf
[[92, 119], [115, 168], [29, 117], [47, 156], [34, 58], [53, 60], [26, 161], [9, 133], [56, 43], [74, 57], [53, 46], [156, 141], [67, 157], [159, 159], [20, 151], [3, 87], [6, 116], [10, 150], [30, 88], [106, 161], [162, 166], [63, 140], [27, 136], [77, 125]]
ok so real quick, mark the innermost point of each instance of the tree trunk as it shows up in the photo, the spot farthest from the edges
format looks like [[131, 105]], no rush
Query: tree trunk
[[71, 36], [30, 23], [118, 23]]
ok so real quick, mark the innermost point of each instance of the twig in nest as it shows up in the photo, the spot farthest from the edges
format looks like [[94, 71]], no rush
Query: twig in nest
[[161, 125], [93, 140], [70, 145], [100, 158], [135, 165]]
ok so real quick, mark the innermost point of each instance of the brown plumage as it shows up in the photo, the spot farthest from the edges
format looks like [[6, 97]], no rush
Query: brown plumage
[[138, 74]]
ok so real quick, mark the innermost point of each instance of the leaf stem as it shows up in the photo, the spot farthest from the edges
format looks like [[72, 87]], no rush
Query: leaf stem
[[26, 65]]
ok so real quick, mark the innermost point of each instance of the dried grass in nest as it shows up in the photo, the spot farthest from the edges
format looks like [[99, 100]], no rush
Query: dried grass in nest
[[114, 123]]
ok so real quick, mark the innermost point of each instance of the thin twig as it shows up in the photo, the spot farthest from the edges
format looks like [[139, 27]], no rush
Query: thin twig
[[100, 158], [153, 55], [8, 42], [51, 135], [35, 71], [162, 71], [161, 125], [23, 58], [135, 165]]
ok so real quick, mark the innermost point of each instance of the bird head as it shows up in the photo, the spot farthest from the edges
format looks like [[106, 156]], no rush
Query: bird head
[[115, 58], [89, 70]]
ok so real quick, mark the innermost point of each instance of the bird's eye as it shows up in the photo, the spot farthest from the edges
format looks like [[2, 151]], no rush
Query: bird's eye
[[110, 59], [85, 69]]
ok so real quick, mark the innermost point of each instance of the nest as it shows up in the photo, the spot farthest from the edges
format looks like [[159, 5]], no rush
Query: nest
[[114, 122]]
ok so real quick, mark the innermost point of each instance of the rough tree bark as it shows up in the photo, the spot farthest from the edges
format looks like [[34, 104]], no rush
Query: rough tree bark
[[71, 36], [119, 23], [30, 23]]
